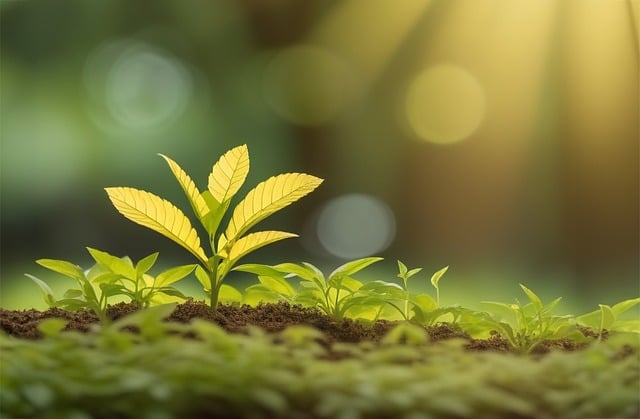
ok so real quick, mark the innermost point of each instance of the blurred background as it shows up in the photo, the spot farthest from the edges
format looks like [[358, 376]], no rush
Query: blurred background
[[498, 137]]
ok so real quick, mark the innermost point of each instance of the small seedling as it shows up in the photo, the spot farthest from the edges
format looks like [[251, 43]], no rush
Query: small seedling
[[228, 247], [608, 318], [112, 277], [335, 295], [526, 326]]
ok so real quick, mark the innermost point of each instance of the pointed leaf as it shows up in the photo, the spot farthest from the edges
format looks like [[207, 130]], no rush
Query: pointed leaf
[[305, 271], [277, 285], [48, 293], [145, 264], [254, 241], [228, 294], [203, 278], [537, 303], [229, 173], [625, 305], [172, 275], [354, 266], [259, 269], [159, 215], [189, 187], [267, 198], [402, 269], [63, 267], [113, 263], [435, 278], [607, 316]]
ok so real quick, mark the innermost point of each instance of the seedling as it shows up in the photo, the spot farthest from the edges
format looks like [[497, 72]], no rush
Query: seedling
[[426, 309], [228, 247], [608, 318], [111, 277], [335, 295], [526, 326]]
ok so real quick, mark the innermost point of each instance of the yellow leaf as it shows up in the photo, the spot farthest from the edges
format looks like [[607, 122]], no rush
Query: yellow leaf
[[268, 197], [229, 173], [159, 215], [254, 241], [189, 187]]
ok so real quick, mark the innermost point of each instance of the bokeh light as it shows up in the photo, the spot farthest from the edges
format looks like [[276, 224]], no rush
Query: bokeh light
[[445, 104], [355, 225], [308, 85], [141, 86]]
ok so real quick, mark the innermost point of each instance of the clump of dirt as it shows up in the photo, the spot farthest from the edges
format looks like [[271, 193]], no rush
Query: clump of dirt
[[270, 317]]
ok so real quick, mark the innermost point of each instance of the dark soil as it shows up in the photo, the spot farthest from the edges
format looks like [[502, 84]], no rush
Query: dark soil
[[270, 317]]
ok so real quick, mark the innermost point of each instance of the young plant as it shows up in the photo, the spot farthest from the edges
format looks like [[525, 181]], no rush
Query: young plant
[[526, 326], [143, 289], [334, 295], [426, 310], [228, 247], [112, 277], [608, 318]]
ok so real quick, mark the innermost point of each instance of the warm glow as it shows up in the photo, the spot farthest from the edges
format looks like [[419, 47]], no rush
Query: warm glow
[[368, 32], [445, 104]]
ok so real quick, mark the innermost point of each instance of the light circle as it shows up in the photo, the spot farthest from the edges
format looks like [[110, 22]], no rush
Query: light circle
[[445, 104], [355, 225]]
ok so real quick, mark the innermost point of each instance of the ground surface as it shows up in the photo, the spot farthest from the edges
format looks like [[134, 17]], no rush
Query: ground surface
[[270, 317]]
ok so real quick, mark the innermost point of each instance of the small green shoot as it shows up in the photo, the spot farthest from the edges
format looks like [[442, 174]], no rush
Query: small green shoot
[[335, 295], [608, 318], [227, 248], [526, 326], [112, 277]]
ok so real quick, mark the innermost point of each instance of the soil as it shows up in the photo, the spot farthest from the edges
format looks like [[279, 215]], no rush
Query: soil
[[270, 317]]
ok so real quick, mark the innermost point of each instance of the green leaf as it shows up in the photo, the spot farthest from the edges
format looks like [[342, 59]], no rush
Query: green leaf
[[267, 198], [354, 266], [345, 283], [386, 289], [256, 294], [159, 215], [172, 275], [109, 290], [535, 300], [63, 267], [113, 263], [402, 269], [203, 278], [607, 316], [229, 173], [435, 278], [145, 264], [305, 271], [278, 285], [190, 189], [424, 302], [46, 290], [502, 310], [259, 269], [623, 306], [254, 241], [73, 293], [228, 294]]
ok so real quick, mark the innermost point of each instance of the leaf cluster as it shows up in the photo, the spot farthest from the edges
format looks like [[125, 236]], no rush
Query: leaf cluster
[[112, 277], [210, 207]]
